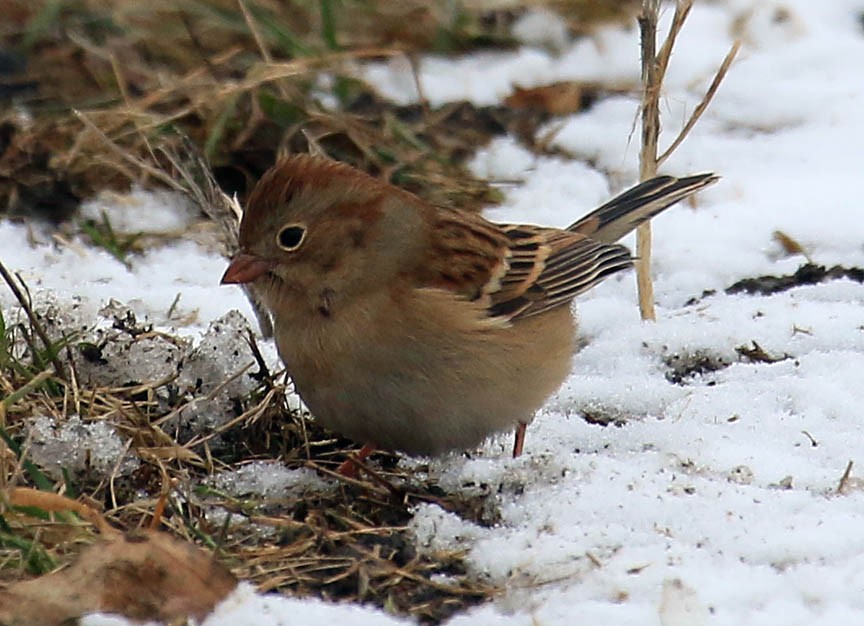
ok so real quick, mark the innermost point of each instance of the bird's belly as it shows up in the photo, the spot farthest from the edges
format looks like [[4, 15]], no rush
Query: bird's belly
[[424, 393]]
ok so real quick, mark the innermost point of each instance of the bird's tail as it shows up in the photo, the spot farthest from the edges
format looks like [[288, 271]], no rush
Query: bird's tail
[[626, 211]]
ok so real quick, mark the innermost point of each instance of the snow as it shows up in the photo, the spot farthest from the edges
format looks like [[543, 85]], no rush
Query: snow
[[140, 211], [149, 288], [245, 607], [76, 446], [715, 501], [268, 479]]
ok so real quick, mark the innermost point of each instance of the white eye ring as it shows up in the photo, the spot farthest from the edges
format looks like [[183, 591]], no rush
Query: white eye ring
[[290, 237]]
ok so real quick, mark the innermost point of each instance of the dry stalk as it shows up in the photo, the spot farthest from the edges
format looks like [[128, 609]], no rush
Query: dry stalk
[[144, 166], [262, 47], [652, 80], [55, 503], [34, 322], [654, 66], [703, 104], [844, 480]]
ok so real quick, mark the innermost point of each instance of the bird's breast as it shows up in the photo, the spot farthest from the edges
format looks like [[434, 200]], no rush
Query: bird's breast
[[424, 373]]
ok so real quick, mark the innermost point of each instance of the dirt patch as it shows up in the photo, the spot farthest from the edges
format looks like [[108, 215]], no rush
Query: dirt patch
[[809, 274], [683, 368], [176, 419]]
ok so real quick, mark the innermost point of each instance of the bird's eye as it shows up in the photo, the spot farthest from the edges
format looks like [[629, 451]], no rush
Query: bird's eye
[[290, 237]]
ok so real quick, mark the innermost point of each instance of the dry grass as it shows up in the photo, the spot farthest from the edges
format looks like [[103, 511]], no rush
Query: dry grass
[[347, 543], [241, 80], [112, 91], [654, 65]]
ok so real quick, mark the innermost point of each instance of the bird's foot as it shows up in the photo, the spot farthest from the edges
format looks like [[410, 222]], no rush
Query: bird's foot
[[351, 465], [519, 442]]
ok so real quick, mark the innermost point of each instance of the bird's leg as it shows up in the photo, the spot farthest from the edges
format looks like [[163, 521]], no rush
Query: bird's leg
[[350, 465], [519, 443]]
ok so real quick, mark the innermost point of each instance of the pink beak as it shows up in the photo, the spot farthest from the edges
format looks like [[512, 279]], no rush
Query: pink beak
[[245, 268]]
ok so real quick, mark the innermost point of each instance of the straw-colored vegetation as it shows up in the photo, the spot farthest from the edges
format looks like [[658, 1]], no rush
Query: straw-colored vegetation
[[102, 94]]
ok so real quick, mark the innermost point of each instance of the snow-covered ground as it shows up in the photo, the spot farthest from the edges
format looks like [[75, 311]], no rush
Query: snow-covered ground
[[715, 503]]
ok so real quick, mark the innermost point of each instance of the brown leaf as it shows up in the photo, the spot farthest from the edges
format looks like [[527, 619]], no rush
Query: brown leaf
[[757, 354], [558, 98], [146, 576], [790, 245]]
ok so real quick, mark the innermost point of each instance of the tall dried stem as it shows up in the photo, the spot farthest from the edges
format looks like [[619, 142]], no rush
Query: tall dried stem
[[654, 66], [651, 81]]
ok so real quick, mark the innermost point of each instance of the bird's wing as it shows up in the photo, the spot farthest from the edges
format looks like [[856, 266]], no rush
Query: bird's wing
[[515, 271], [573, 265], [627, 210]]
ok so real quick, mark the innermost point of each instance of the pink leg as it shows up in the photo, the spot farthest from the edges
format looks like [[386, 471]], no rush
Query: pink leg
[[519, 443], [349, 467]]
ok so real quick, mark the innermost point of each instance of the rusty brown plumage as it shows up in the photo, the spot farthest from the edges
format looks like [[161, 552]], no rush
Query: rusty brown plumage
[[416, 327]]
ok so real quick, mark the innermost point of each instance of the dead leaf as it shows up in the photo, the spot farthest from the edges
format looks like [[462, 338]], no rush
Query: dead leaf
[[558, 98], [790, 245], [757, 354], [146, 576]]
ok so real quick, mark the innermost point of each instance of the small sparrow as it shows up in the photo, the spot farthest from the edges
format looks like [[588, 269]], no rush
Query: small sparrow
[[419, 328]]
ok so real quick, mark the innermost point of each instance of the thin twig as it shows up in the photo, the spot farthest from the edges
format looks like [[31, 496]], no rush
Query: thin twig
[[844, 480], [152, 170], [262, 46], [706, 100], [256, 34], [263, 370], [414, 63], [197, 43], [37, 327], [346, 479], [216, 391], [682, 10], [204, 191], [654, 66]]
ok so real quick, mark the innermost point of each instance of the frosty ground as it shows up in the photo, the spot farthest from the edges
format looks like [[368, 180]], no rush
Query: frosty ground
[[711, 500]]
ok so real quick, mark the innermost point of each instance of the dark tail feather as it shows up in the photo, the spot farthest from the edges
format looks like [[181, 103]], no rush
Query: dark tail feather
[[625, 212]]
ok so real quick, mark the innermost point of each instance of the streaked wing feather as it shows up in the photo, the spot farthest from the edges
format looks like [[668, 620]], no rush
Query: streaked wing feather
[[627, 210], [528, 251], [469, 256], [574, 265], [515, 271]]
